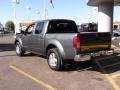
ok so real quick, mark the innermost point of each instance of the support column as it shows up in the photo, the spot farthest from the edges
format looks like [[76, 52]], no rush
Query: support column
[[105, 17]]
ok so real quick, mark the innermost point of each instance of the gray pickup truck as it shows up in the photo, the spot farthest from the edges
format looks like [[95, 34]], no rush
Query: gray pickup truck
[[60, 41]]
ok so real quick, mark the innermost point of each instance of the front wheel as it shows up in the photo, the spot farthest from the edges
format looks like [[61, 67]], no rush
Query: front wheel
[[19, 50], [54, 59]]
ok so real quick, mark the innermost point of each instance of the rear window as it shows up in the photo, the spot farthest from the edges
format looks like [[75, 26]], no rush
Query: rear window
[[62, 26]]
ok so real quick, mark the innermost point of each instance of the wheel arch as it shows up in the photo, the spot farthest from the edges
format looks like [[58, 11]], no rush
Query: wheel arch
[[56, 44], [18, 40]]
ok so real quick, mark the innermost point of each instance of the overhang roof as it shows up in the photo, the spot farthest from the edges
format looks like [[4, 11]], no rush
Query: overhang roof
[[97, 2]]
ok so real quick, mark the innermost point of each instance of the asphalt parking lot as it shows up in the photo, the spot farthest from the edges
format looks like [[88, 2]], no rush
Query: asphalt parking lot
[[31, 72]]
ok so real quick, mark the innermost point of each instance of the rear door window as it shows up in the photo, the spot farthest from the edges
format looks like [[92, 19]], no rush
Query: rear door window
[[62, 26], [39, 27]]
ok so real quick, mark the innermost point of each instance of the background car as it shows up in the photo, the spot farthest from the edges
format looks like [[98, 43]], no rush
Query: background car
[[116, 32], [88, 27]]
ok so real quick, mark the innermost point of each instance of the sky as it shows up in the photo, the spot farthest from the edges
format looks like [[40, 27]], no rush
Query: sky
[[76, 10]]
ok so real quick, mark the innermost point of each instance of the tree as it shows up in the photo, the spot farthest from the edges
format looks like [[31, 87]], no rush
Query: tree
[[10, 26]]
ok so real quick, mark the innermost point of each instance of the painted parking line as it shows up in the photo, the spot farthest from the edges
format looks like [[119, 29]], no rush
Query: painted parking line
[[32, 78], [112, 81], [109, 78], [115, 75]]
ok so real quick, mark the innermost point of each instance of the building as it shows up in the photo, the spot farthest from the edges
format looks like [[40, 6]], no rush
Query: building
[[22, 25], [105, 13], [116, 25]]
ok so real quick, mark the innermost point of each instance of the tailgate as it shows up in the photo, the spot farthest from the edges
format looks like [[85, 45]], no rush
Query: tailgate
[[95, 41]]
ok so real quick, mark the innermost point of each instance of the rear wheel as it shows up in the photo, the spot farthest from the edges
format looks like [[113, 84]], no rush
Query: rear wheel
[[19, 50], [54, 59]]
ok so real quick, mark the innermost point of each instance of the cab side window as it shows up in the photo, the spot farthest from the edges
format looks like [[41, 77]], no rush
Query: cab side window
[[30, 29], [39, 27]]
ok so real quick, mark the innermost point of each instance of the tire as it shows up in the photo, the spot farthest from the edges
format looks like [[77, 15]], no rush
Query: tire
[[54, 59], [19, 50], [116, 34]]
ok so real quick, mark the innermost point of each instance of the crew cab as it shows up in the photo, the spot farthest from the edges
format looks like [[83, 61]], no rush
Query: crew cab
[[60, 41]]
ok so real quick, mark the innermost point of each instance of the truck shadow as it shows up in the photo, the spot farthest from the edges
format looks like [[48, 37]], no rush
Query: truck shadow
[[7, 47], [104, 64], [29, 54]]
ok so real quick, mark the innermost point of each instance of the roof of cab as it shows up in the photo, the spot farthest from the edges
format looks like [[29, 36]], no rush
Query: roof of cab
[[54, 20]]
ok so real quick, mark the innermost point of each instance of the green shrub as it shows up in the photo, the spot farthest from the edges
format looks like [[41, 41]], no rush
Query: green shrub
[[10, 26]]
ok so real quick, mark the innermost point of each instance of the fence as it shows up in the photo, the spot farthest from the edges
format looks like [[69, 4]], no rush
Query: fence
[[6, 34]]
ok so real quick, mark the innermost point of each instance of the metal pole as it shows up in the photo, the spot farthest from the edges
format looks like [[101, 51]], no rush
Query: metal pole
[[27, 12], [15, 2], [44, 9], [14, 6]]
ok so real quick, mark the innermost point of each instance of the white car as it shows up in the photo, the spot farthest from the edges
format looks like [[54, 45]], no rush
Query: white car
[[116, 32]]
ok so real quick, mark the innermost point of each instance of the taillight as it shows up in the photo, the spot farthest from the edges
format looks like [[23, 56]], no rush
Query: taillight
[[76, 43]]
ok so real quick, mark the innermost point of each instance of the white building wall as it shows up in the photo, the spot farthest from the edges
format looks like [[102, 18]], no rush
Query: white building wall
[[105, 17]]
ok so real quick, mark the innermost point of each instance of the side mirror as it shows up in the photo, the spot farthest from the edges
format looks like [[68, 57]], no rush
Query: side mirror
[[22, 32]]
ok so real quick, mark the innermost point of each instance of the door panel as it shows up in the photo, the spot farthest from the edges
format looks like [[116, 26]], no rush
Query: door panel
[[37, 39], [37, 43], [27, 37]]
